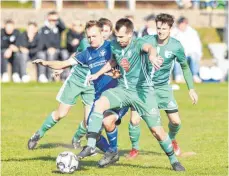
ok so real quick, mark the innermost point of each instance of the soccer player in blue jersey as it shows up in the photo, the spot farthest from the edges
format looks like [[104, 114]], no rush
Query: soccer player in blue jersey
[[74, 86], [95, 57]]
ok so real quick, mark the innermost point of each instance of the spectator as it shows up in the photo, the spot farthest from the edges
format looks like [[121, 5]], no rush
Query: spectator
[[50, 42], [28, 48], [149, 28], [9, 36], [74, 36], [190, 40]]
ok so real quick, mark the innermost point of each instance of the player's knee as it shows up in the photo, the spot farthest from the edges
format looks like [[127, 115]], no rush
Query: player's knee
[[135, 121], [158, 133], [175, 122], [109, 120], [62, 114]]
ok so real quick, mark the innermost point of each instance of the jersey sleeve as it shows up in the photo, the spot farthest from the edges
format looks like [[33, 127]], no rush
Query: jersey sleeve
[[83, 45], [81, 57], [139, 44], [180, 54]]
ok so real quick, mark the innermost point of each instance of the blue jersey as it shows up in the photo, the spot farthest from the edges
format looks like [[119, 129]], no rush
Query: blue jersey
[[95, 59]]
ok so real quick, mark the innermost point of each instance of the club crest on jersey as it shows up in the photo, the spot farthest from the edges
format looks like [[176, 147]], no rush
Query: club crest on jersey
[[102, 53], [168, 54]]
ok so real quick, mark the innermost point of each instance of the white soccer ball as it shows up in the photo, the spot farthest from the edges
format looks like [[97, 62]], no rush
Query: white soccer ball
[[67, 162]]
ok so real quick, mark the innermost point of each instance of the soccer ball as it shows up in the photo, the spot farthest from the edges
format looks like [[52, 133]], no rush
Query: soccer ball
[[67, 162]]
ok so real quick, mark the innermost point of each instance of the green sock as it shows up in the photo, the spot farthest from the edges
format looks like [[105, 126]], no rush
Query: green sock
[[166, 145], [81, 131], [134, 133], [173, 130], [95, 124], [49, 123]]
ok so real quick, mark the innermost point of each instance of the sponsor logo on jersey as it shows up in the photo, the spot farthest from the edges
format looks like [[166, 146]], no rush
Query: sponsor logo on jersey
[[168, 54]]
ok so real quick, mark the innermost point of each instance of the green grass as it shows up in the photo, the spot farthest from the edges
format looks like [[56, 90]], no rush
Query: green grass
[[25, 106]]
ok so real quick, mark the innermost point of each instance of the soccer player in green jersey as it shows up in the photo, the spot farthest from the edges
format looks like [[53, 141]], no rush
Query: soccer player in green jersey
[[170, 50], [134, 89], [74, 86]]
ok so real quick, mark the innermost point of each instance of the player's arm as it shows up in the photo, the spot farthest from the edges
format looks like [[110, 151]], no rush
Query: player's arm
[[181, 58], [107, 67], [153, 57], [57, 65]]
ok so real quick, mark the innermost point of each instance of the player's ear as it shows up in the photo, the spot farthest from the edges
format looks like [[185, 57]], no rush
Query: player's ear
[[130, 34]]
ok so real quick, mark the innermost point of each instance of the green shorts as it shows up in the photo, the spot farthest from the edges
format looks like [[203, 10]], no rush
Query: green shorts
[[165, 98], [72, 88], [142, 100]]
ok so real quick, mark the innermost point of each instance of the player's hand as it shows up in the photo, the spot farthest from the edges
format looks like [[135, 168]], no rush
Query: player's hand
[[57, 73], [156, 61], [91, 78], [40, 61], [114, 73], [193, 95], [125, 64]]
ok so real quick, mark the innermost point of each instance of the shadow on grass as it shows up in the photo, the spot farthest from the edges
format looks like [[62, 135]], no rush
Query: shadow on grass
[[54, 145], [69, 146], [84, 164]]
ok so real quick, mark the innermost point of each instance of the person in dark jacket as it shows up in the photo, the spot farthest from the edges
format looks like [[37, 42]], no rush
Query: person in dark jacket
[[9, 36], [50, 44], [74, 36], [28, 48]]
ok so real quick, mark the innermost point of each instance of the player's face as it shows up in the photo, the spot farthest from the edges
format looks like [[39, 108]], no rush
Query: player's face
[[106, 32], [123, 37], [163, 30], [94, 36], [9, 28]]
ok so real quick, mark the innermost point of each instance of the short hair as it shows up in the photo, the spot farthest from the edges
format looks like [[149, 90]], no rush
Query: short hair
[[9, 21], [93, 23], [182, 19], [124, 22], [52, 13], [32, 23], [105, 21], [165, 18]]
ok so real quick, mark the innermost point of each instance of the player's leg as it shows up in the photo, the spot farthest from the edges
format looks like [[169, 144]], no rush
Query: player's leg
[[166, 101], [87, 97], [49, 122], [108, 100], [134, 133], [67, 98], [174, 127], [150, 113]]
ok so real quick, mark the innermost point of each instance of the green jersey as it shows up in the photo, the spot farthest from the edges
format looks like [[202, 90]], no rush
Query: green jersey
[[170, 52], [137, 76], [79, 70]]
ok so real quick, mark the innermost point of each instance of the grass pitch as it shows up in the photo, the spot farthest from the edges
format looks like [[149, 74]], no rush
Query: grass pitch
[[204, 132]]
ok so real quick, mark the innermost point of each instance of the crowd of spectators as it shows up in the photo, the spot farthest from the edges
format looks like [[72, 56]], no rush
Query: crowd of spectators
[[18, 48]]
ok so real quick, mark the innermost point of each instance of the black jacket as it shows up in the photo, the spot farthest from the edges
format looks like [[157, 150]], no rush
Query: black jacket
[[71, 35], [51, 37], [23, 41], [7, 40]]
